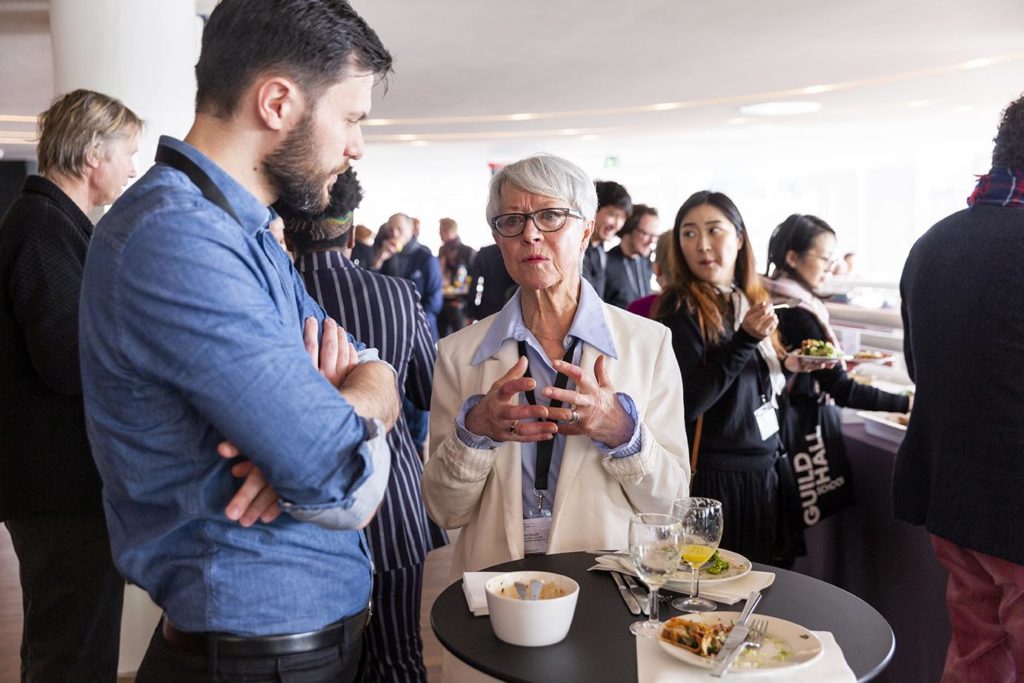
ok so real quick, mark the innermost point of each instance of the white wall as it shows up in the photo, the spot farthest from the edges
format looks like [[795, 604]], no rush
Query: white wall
[[879, 186]]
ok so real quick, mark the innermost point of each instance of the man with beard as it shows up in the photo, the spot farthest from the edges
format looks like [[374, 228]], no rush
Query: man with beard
[[385, 312], [628, 272], [613, 207], [196, 339]]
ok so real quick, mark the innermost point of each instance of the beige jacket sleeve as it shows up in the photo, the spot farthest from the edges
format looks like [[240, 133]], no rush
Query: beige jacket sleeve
[[454, 474], [657, 475]]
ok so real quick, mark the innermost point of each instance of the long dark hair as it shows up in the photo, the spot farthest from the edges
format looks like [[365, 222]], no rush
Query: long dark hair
[[699, 296], [796, 233]]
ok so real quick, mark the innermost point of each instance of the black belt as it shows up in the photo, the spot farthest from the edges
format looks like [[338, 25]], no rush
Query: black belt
[[346, 632]]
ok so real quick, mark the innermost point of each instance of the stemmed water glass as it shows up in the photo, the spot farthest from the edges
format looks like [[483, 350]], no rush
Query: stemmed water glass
[[655, 541], [701, 521]]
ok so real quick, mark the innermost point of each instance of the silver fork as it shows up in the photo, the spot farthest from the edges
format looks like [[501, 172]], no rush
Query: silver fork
[[758, 631]]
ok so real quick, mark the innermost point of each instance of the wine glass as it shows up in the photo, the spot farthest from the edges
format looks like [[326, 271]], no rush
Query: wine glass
[[654, 544], [701, 521]]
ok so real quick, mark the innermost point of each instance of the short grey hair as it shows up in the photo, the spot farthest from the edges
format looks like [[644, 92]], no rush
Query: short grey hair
[[548, 176]]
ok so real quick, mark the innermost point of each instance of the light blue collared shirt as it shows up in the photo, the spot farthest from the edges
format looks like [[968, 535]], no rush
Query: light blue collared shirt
[[589, 326]]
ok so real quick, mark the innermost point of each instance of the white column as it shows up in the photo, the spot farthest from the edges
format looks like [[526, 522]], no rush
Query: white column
[[141, 51]]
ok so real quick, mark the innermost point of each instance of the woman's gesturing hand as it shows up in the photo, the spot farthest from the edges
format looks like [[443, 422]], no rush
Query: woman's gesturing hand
[[497, 418], [592, 409], [760, 320]]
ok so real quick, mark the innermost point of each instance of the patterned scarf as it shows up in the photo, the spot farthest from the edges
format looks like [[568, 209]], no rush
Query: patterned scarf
[[999, 187]]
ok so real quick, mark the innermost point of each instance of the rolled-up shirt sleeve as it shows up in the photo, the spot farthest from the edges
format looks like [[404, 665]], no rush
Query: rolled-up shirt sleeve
[[363, 502]]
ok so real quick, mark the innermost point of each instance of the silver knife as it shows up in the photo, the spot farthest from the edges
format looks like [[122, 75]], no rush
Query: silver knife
[[642, 597], [737, 639], [627, 596]]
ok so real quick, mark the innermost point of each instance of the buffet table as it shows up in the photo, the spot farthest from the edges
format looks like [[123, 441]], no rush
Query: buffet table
[[599, 646], [887, 563]]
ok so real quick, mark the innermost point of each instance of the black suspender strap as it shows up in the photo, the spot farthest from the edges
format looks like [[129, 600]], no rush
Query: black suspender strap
[[544, 447], [177, 160]]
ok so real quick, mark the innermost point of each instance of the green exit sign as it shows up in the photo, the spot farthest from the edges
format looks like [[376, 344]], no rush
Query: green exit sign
[[611, 162]]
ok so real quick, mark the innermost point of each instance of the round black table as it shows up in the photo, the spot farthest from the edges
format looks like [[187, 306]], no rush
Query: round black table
[[599, 646]]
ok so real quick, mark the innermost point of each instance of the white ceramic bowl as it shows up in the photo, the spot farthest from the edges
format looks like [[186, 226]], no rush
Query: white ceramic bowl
[[531, 623]]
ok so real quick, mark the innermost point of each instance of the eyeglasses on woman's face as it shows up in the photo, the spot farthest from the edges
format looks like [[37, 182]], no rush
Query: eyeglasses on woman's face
[[546, 220]]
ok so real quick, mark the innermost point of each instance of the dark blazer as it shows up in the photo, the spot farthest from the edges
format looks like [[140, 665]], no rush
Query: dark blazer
[[626, 279], [45, 461], [960, 468], [796, 325], [595, 260], [384, 312], [417, 264], [490, 285]]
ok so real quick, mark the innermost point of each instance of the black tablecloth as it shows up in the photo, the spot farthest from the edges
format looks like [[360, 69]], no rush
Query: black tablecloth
[[599, 646]]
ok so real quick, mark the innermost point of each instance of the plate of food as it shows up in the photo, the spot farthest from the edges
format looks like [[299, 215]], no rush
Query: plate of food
[[698, 638], [888, 426], [868, 356], [821, 353]]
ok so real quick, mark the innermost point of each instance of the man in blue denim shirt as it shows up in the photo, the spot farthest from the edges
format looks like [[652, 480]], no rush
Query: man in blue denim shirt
[[196, 330]]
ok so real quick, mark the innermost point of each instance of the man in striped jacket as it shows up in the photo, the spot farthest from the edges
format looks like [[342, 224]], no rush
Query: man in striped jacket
[[382, 312]]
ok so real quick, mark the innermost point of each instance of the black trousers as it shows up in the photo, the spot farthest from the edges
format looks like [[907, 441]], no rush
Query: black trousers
[[165, 664], [72, 596], [394, 647]]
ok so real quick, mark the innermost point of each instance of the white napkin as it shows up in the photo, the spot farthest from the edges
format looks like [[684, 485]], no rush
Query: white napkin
[[653, 665], [728, 592], [473, 586]]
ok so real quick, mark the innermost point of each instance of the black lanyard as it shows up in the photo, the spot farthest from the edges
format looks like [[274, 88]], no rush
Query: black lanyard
[[175, 159], [544, 448]]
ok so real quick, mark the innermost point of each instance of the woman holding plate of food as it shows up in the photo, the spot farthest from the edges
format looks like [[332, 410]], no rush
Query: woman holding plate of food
[[801, 253], [800, 257]]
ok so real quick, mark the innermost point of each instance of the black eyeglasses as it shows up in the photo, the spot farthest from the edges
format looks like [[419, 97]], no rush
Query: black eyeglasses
[[546, 220]]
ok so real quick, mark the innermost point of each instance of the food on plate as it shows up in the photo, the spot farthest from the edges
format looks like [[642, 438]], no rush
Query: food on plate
[[819, 349], [864, 354], [716, 565], [705, 640], [901, 418]]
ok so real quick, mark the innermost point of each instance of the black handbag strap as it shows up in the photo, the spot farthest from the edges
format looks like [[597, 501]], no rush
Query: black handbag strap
[[175, 159]]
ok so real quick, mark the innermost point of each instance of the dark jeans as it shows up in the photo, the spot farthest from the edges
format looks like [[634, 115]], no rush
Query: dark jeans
[[165, 664], [394, 646], [72, 596]]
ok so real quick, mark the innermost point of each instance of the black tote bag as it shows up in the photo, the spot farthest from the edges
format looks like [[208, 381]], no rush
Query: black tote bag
[[813, 436]]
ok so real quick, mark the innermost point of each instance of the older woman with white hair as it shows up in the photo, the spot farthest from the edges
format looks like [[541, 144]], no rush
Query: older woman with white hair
[[558, 417]]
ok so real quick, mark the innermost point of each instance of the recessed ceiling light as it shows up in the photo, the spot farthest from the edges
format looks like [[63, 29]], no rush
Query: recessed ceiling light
[[782, 108], [978, 63], [815, 89], [665, 106], [419, 143], [521, 117], [406, 137], [736, 121]]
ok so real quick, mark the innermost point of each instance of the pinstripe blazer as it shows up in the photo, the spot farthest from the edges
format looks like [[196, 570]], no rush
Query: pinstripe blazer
[[384, 312]]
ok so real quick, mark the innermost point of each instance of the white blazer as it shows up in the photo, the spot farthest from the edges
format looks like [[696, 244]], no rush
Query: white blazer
[[480, 490]]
